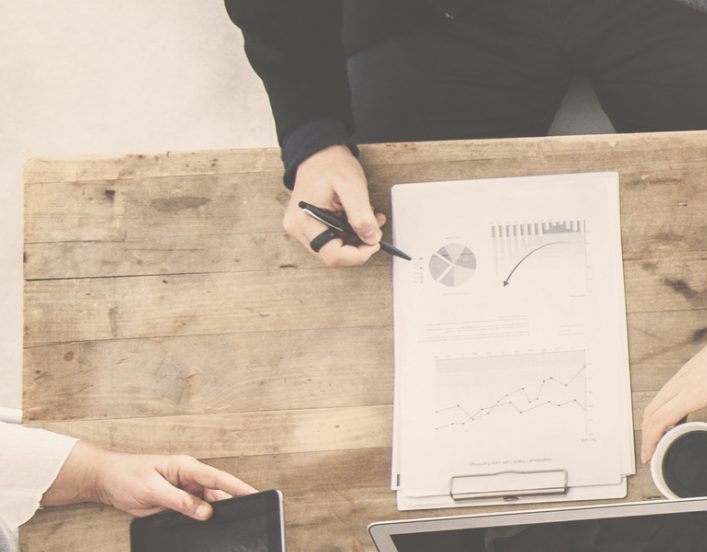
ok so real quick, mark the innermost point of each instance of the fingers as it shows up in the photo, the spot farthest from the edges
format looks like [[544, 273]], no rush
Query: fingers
[[685, 392], [214, 495], [657, 419], [168, 496], [207, 477], [183, 472], [333, 179], [357, 205], [336, 254]]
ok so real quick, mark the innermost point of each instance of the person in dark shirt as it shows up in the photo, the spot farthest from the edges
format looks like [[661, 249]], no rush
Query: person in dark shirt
[[342, 72]]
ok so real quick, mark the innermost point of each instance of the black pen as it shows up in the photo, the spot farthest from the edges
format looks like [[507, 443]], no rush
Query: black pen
[[342, 225]]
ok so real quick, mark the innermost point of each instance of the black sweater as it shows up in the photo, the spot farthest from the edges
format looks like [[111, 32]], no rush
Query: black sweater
[[299, 50]]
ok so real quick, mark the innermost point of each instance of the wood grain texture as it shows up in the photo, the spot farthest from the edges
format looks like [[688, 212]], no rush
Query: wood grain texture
[[88, 309], [196, 304], [167, 311], [343, 500], [647, 153], [143, 377], [239, 434], [139, 221]]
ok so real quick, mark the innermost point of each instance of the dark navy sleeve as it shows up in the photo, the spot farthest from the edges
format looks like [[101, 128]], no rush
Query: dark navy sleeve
[[308, 139], [296, 48]]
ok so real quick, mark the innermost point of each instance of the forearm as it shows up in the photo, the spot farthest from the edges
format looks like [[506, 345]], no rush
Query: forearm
[[296, 48], [309, 139], [30, 460], [77, 480], [141, 484]]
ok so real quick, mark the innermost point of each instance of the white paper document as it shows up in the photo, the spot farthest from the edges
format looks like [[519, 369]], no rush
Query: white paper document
[[511, 356]]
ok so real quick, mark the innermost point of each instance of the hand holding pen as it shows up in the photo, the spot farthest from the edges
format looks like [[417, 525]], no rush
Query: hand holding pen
[[334, 180], [339, 227]]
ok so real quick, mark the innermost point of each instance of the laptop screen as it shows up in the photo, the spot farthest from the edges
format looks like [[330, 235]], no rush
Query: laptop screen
[[674, 532]]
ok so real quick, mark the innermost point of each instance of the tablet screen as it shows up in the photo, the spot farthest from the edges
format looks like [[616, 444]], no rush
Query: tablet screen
[[251, 523], [679, 532]]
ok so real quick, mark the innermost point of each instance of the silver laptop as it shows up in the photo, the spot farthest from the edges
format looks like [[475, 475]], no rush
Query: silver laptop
[[652, 526]]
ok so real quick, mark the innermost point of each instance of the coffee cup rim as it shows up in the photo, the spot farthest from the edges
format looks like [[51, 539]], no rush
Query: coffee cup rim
[[656, 463]]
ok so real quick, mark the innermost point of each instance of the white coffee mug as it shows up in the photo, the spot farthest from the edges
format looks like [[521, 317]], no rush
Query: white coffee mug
[[659, 455]]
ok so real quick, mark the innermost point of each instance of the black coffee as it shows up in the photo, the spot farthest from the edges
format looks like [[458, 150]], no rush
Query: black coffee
[[685, 465]]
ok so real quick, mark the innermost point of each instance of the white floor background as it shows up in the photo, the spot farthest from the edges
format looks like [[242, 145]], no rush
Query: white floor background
[[96, 76], [83, 77]]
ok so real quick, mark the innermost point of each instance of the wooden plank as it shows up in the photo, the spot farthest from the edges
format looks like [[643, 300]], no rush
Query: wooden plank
[[168, 254], [655, 148], [82, 169], [128, 209], [587, 152], [660, 343], [283, 299], [171, 254], [76, 529], [242, 372], [124, 235], [254, 203], [154, 306], [231, 223], [238, 434], [209, 374], [666, 282]]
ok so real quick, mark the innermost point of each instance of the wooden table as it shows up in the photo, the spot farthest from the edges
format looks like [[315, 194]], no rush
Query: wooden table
[[167, 311]]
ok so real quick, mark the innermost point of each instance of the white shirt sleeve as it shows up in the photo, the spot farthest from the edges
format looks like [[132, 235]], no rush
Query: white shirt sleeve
[[30, 460], [8, 539]]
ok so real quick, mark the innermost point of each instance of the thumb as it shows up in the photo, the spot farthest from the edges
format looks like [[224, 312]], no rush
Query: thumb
[[181, 501], [357, 205]]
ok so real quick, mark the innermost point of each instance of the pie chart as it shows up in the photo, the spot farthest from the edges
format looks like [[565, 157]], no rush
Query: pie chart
[[453, 265]]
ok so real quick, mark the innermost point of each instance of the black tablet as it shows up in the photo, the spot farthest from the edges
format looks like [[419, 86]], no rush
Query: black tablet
[[251, 523]]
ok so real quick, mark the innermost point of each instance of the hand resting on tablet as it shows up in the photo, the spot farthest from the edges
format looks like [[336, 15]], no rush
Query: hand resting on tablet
[[141, 484]]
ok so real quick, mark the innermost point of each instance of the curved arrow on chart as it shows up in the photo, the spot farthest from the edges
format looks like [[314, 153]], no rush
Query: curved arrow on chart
[[506, 281]]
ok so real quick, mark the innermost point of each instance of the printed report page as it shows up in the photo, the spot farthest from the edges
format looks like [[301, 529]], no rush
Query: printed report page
[[510, 329]]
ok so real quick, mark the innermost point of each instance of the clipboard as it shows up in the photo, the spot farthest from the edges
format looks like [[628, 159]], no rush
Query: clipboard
[[469, 348], [508, 485], [590, 492]]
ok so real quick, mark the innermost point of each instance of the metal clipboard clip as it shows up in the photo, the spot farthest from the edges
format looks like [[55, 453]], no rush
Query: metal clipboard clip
[[508, 485]]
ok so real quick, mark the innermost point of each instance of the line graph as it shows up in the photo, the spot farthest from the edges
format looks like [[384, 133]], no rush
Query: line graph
[[503, 389], [519, 399]]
